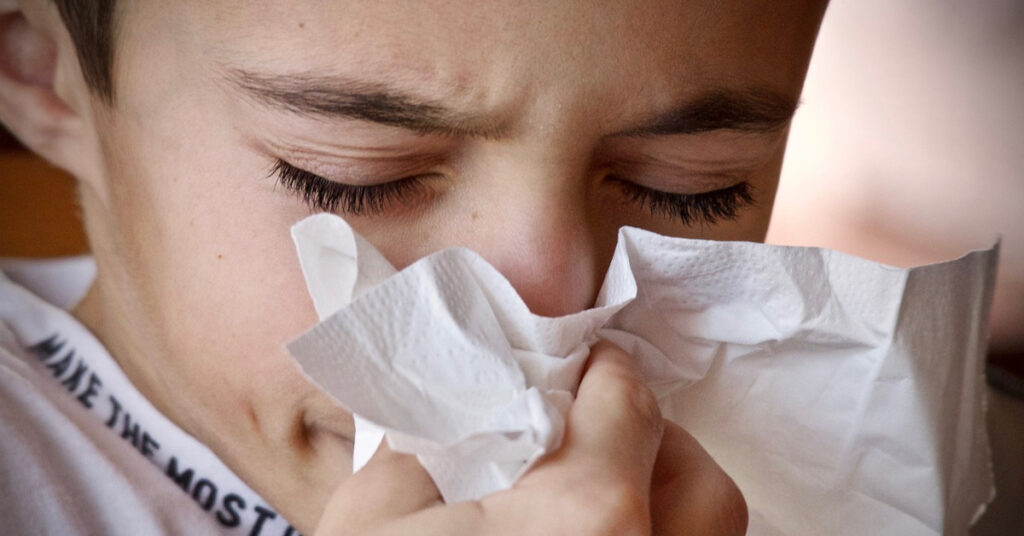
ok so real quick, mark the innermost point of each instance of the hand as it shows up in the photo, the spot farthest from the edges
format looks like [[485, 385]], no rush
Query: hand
[[622, 470]]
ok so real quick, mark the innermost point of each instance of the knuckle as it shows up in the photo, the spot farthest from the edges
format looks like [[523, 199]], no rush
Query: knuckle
[[642, 404], [623, 387]]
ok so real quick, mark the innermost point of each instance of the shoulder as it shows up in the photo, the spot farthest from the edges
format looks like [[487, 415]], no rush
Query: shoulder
[[63, 471]]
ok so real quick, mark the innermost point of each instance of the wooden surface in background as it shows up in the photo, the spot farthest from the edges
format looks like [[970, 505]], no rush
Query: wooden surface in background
[[38, 213], [7, 140]]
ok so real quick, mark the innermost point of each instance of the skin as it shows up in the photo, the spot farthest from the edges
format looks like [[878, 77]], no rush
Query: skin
[[198, 284]]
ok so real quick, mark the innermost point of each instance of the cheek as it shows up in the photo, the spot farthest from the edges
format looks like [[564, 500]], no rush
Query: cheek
[[207, 247]]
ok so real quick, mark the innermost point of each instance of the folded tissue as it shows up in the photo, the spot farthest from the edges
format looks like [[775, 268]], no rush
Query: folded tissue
[[843, 396]]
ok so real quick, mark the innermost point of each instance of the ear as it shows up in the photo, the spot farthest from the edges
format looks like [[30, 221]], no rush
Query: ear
[[44, 101]]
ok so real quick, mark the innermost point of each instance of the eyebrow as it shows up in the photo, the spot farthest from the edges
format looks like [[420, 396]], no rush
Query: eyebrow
[[751, 110], [335, 97], [756, 111]]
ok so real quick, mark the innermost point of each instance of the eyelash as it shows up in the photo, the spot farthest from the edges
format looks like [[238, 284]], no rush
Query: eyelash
[[705, 207], [329, 196]]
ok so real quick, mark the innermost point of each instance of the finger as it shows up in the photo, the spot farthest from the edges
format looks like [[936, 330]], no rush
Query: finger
[[598, 482], [691, 493], [390, 486], [614, 424]]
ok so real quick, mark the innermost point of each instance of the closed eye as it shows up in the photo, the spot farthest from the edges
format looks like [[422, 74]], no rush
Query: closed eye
[[370, 200], [705, 207], [357, 200]]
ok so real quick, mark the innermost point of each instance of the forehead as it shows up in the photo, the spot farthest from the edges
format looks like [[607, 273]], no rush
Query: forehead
[[638, 46], [555, 70]]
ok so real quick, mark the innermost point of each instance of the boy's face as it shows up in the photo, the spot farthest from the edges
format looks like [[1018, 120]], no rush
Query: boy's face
[[527, 131]]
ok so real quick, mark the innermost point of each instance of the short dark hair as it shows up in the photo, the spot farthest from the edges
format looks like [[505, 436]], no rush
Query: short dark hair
[[91, 25]]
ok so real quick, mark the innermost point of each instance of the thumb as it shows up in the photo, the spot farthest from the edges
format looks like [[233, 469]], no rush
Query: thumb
[[391, 485]]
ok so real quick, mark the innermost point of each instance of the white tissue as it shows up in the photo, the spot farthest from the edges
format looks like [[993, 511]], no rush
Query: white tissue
[[843, 396]]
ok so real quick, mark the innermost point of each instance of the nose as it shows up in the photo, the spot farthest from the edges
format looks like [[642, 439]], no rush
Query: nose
[[542, 237], [548, 258], [534, 219]]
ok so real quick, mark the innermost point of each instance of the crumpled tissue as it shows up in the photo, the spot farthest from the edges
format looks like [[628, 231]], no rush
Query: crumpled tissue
[[843, 396]]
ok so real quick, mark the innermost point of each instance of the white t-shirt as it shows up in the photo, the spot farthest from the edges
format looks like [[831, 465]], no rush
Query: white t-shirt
[[81, 450]]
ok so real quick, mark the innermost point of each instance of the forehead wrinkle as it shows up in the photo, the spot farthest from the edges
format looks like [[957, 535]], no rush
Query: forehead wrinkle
[[383, 102]]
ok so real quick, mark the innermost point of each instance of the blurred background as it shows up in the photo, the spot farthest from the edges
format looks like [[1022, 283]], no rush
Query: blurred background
[[908, 149]]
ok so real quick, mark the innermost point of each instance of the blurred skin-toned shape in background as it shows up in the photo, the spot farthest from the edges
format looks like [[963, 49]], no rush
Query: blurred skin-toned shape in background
[[909, 144], [909, 149]]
